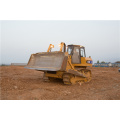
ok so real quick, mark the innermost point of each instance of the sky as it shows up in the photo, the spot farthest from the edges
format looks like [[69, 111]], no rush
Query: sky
[[20, 39]]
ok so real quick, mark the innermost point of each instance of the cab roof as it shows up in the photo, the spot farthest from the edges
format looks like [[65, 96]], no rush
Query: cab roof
[[76, 45]]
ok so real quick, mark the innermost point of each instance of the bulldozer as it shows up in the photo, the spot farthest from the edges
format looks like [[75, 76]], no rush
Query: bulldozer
[[69, 64]]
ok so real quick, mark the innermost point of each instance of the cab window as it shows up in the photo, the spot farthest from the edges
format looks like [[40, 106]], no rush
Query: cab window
[[70, 50], [82, 52], [76, 51]]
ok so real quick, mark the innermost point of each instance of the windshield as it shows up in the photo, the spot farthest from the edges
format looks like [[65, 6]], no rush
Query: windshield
[[69, 50]]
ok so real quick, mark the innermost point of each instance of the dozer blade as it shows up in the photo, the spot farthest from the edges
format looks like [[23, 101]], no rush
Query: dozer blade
[[48, 61]]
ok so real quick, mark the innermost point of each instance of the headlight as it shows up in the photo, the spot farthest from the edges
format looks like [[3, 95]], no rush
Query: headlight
[[89, 61]]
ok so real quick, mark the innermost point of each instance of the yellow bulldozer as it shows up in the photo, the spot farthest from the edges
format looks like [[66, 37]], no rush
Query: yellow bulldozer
[[69, 64]]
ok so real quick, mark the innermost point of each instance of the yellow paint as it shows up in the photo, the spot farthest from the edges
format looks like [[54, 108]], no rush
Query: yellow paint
[[83, 62], [57, 75], [69, 66]]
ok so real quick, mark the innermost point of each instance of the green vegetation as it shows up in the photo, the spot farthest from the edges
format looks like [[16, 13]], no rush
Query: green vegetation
[[102, 62], [98, 61], [4, 65]]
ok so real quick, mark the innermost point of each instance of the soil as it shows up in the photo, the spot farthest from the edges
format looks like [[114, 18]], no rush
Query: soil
[[18, 83]]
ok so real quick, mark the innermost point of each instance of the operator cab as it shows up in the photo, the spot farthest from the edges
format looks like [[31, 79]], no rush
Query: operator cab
[[76, 52]]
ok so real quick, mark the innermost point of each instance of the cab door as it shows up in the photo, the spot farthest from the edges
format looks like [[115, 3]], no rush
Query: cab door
[[76, 55]]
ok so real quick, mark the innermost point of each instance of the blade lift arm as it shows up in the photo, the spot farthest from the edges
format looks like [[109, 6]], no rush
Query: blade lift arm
[[50, 48], [62, 46]]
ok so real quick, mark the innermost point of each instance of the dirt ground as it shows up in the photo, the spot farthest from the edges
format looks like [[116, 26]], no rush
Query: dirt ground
[[18, 83]]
